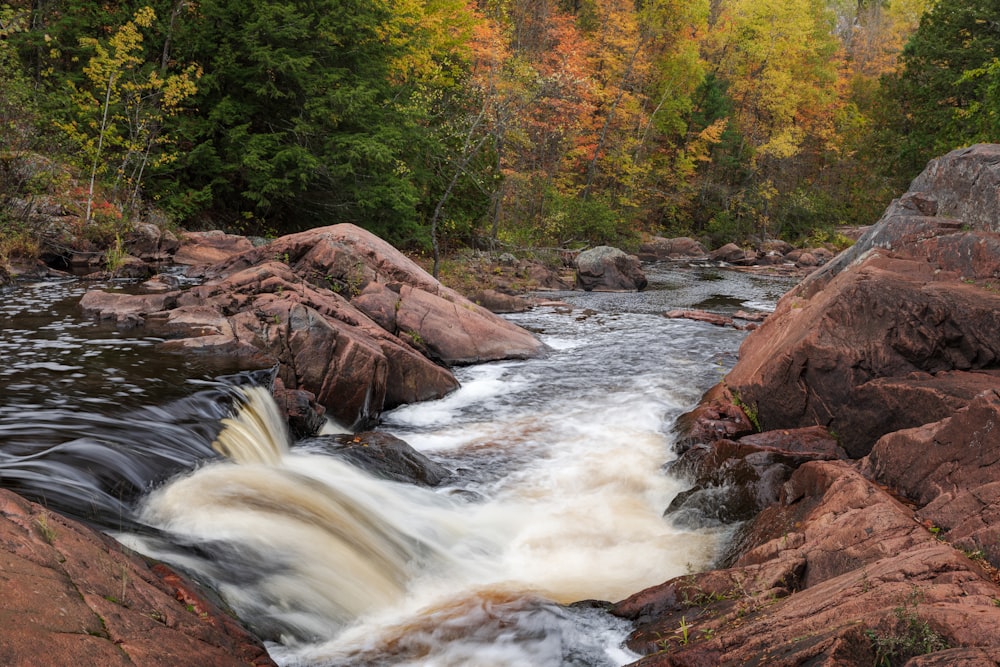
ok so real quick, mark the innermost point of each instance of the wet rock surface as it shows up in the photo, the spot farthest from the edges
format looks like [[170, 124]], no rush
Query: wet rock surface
[[384, 456]]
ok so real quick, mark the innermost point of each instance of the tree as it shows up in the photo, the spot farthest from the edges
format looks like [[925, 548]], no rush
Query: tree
[[318, 112], [775, 64], [118, 114], [942, 96]]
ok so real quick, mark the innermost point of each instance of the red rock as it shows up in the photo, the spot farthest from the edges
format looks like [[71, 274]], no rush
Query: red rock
[[659, 248], [123, 308], [204, 248], [830, 359], [458, 331], [822, 574], [813, 441], [74, 597], [806, 259], [716, 417], [700, 316], [950, 470], [498, 302], [288, 303]]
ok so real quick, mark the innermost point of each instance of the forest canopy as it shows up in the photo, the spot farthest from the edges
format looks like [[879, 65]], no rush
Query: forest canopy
[[511, 122]]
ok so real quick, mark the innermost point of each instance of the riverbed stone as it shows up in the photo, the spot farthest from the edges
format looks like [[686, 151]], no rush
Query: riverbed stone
[[607, 269], [833, 570], [207, 248]]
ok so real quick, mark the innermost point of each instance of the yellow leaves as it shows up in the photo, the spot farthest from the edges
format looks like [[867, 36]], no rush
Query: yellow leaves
[[144, 17], [778, 59], [179, 87], [700, 148]]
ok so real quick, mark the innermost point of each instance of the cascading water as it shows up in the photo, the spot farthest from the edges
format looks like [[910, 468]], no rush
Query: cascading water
[[557, 494]]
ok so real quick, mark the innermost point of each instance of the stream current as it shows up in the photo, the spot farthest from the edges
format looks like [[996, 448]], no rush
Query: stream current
[[557, 495]]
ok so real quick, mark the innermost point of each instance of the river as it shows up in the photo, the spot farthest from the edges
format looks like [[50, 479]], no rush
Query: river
[[557, 495]]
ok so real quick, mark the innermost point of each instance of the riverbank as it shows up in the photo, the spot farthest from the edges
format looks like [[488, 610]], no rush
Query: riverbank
[[857, 438]]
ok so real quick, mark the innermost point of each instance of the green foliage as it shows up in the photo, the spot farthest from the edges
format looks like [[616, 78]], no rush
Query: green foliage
[[570, 221], [448, 123], [911, 636], [750, 410], [945, 96], [118, 111]]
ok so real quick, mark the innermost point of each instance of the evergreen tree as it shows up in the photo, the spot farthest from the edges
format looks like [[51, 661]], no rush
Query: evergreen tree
[[936, 103]]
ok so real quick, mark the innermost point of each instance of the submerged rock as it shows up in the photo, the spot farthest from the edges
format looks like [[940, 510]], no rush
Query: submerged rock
[[383, 455]]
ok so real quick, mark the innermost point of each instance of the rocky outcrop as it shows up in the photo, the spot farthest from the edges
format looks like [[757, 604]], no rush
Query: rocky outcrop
[[953, 480], [206, 248], [898, 331], [889, 343], [887, 354], [837, 572], [658, 249], [344, 315], [607, 269], [76, 597], [733, 481]]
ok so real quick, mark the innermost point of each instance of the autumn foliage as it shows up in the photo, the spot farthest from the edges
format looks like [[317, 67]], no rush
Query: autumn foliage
[[492, 122]]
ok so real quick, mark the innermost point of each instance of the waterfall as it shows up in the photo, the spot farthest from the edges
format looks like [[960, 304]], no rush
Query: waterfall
[[297, 543]]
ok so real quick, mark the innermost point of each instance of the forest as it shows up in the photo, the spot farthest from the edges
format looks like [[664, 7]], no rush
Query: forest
[[490, 123]]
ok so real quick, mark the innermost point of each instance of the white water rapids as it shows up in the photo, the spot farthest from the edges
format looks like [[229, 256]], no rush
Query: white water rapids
[[557, 497]]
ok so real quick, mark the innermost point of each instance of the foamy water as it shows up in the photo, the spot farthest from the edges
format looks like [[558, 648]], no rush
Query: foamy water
[[557, 492], [558, 497]]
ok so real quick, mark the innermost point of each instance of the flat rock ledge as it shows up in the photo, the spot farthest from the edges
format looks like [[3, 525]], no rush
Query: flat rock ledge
[[72, 596], [857, 444], [347, 318]]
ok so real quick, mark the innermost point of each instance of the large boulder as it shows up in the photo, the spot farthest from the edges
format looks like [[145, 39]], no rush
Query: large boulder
[[206, 248], [890, 343], [346, 317], [731, 253], [898, 331], [74, 597], [607, 269]]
